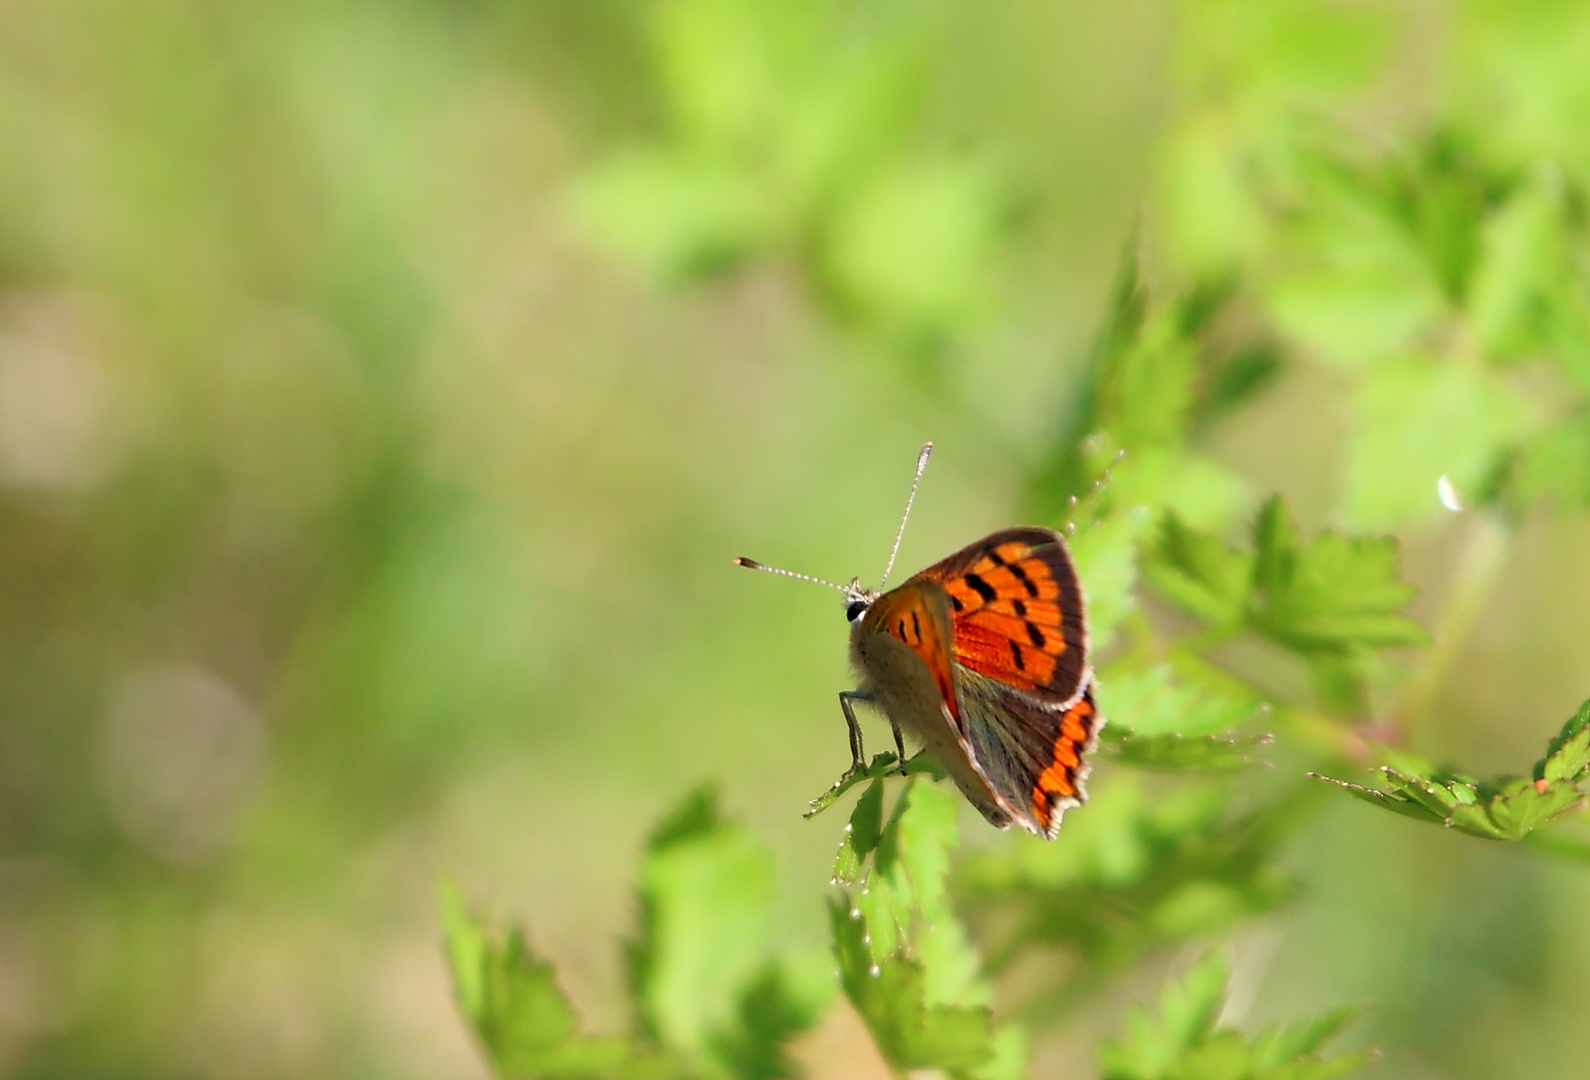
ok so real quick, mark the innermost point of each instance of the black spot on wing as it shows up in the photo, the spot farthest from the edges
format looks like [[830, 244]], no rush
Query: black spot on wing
[[981, 588]]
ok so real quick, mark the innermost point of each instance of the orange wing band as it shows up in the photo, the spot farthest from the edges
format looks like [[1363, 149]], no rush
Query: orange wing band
[[1059, 780]]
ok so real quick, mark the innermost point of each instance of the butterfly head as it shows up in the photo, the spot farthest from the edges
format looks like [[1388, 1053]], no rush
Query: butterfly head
[[858, 600]]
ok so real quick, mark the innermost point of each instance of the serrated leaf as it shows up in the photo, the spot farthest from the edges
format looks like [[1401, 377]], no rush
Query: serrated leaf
[[1188, 1008], [1106, 558], [1334, 593], [1396, 802], [524, 1024], [1151, 701], [1437, 797], [909, 866], [890, 997], [1183, 1043], [1172, 752], [776, 1006], [1507, 808], [706, 891], [1517, 808], [1199, 572], [881, 766], [1276, 1046], [1136, 873], [1009, 1060], [1568, 755], [861, 834]]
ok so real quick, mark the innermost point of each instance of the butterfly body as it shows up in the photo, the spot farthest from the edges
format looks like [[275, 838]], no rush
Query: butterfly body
[[983, 657], [894, 679]]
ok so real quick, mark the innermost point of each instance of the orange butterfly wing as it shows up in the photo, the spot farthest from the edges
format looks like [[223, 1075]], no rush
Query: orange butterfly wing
[[911, 614], [1017, 612]]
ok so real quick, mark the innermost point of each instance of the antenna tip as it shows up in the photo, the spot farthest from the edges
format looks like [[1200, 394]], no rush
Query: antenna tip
[[741, 560]]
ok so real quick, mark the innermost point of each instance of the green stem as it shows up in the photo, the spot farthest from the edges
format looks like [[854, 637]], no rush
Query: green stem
[[1479, 567]]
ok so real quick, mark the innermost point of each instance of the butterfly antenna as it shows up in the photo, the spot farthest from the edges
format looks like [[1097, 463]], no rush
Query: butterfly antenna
[[752, 564], [921, 464]]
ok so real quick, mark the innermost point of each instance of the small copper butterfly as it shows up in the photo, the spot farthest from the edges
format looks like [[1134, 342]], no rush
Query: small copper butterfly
[[983, 657]]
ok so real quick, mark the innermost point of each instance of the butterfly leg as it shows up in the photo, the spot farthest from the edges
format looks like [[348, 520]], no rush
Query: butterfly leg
[[899, 744], [857, 756]]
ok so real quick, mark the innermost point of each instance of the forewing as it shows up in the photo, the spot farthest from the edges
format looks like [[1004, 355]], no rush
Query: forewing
[[1017, 613], [1033, 756], [917, 613]]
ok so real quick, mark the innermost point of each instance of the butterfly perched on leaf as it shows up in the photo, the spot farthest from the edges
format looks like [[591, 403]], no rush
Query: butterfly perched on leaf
[[983, 658]]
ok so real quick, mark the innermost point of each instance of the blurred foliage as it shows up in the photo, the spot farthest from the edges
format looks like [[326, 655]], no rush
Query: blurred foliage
[[1183, 1041], [709, 999], [383, 386]]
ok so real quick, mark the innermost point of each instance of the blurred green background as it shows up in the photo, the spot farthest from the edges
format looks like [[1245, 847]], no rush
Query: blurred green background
[[385, 387]]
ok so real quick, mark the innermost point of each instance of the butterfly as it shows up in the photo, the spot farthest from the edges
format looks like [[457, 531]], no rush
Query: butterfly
[[983, 657]]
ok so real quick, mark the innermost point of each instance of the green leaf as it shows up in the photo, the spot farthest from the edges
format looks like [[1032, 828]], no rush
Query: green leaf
[[1172, 752], [1396, 802], [1151, 701], [780, 1003], [1136, 872], [861, 835], [1520, 261], [1507, 808], [1188, 1009], [1105, 553], [1568, 755], [1182, 1041], [881, 766], [890, 996], [1199, 573], [1009, 1060], [706, 897], [1516, 807], [1332, 594], [909, 866], [525, 1025], [1418, 420]]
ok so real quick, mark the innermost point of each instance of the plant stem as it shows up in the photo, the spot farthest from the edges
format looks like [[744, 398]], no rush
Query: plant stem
[[1479, 567]]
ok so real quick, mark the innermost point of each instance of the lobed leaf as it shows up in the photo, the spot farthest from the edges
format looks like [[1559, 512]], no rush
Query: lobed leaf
[[1136, 873], [1507, 808], [890, 995], [1199, 573], [1330, 594], [525, 1026], [1203, 753], [1183, 1042]]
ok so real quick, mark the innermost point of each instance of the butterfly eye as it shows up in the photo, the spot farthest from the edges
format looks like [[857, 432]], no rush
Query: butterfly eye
[[855, 611]]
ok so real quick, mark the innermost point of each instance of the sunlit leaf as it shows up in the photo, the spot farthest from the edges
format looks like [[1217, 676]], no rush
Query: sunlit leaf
[[1199, 572], [1332, 592], [1506, 808]]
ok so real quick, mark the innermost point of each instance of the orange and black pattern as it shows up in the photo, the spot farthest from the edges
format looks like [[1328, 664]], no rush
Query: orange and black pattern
[[1032, 756], [1016, 609], [914, 613], [1060, 783]]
